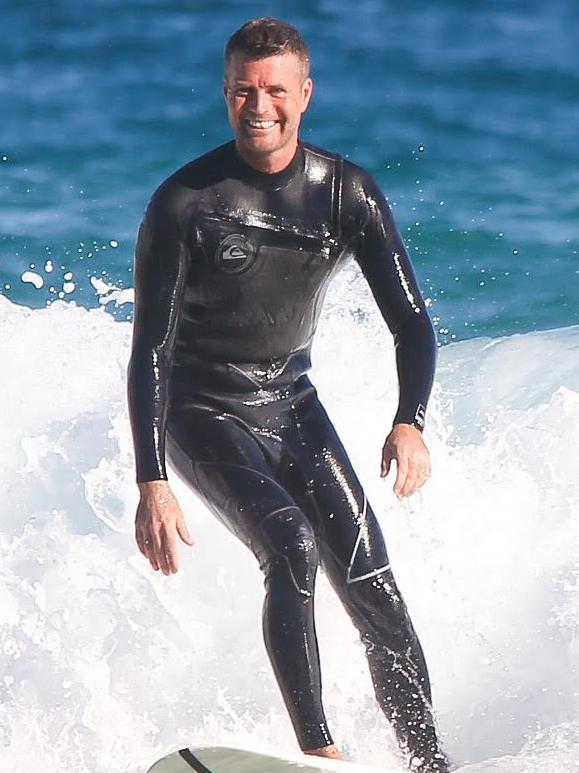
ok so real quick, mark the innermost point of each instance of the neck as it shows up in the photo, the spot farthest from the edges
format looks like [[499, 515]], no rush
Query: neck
[[269, 164]]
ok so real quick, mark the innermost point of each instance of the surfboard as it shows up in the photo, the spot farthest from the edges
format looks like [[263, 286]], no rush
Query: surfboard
[[221, 759]]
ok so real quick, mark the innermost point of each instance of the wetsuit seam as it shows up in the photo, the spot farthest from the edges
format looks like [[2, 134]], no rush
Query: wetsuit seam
[[277, 511], [238, 467]]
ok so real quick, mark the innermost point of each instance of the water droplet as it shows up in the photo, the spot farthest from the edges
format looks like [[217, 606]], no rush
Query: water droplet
[[32, 278]]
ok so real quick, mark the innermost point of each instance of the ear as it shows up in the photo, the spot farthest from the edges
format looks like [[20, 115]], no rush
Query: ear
[[307, 91]]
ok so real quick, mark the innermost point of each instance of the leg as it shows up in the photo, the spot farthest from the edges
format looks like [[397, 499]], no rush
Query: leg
[[354, 556], [224, 463]]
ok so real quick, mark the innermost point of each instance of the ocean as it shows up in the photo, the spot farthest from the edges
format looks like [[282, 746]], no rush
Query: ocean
[[467, 114]]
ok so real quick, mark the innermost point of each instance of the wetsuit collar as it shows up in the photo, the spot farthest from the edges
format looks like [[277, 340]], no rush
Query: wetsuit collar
[[264, 180]]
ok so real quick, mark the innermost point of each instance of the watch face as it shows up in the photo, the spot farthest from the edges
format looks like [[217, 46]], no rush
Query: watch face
[[234, 254]]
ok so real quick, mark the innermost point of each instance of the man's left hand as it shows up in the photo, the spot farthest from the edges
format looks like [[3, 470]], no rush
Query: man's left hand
[[406, 446]]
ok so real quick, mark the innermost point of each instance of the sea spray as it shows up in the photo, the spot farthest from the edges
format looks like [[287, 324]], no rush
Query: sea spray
[[107, 665]]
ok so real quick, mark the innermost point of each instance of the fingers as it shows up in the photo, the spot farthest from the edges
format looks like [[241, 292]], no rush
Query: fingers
[[158, 547], [408, 485], [386, 462], [412, 475], [156, 530], [401, 477], [183, 532], [146, 543], [169, 552], [161, 549]]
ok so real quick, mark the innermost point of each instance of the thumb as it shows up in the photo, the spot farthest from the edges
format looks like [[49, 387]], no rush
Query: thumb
[[183, 531], [386, 462]]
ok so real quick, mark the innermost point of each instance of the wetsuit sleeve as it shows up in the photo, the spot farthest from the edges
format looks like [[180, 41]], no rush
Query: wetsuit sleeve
[[386, 266], [161, 262]]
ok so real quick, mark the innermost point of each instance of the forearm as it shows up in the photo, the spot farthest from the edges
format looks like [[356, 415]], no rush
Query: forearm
[[386, 264], [161, 261], [147, 387], [415, 362], [159, 289]]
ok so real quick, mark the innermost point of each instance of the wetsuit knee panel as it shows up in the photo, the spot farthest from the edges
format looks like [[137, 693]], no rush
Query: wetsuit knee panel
[[287, 549]]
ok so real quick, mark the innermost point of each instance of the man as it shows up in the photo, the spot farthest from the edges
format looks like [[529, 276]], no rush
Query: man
[[233, 259]]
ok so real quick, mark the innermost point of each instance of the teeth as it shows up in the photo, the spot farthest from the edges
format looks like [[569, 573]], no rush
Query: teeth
[[261, 124]]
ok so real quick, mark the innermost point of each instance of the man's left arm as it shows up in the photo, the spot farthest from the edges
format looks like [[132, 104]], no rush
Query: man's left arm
[[386, 265]]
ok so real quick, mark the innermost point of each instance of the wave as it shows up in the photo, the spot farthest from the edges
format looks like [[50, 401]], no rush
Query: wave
[[107, 666]]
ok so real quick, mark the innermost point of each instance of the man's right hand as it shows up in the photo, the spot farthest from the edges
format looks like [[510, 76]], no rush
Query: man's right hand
[[158, 522]]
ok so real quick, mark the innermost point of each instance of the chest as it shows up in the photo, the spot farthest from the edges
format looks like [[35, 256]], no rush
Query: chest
[[283, 238]]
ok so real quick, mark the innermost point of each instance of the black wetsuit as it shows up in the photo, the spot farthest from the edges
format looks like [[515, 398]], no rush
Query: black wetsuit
[[231, 270]]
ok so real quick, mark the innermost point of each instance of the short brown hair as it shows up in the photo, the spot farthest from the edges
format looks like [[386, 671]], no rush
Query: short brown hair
[[260, 38]]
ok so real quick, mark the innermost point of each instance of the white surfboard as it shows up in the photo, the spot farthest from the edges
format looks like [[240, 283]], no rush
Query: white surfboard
[[220, 759]]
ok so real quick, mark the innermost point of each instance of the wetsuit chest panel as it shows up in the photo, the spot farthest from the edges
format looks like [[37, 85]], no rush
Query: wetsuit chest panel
[[247, 281], [257, 278]]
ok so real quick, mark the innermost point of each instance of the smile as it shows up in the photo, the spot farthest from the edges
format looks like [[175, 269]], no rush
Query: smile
[[260, 124]]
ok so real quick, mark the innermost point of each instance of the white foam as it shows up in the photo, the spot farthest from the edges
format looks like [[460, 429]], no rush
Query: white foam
[[106, 665], [110, 294]]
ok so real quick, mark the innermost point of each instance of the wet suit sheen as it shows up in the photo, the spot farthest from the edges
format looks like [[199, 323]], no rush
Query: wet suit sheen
[[231, 271]]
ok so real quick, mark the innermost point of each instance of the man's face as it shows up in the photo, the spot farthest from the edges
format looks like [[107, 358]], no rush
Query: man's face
[[265, 101]]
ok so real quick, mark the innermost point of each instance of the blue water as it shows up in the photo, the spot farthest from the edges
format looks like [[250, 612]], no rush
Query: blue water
[[467, 113]]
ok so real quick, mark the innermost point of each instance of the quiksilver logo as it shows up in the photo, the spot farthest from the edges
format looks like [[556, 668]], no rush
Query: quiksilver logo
[[234, 254]]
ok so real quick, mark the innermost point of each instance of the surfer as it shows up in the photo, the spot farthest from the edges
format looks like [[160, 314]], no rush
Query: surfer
[[233, 259]]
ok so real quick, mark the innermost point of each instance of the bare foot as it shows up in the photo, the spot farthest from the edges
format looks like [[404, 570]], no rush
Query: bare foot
[[331, 752]]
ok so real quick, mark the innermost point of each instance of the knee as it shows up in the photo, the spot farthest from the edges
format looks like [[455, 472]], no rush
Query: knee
[[289, 556]]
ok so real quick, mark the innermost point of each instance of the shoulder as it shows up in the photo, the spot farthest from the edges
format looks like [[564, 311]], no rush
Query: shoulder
[[359, 183], [205, 170], [354, 179], [360, 197], [178, 193], [316, 152], [320, 165], [360, 193]]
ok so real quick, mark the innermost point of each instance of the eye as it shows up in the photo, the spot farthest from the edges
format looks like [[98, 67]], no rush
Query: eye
[[277, 91]]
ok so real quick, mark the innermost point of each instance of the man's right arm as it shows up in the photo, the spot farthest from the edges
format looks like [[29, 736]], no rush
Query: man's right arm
[[161, 263]]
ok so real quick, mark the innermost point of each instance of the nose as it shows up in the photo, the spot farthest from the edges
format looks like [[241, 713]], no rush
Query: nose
[[260, 101]]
